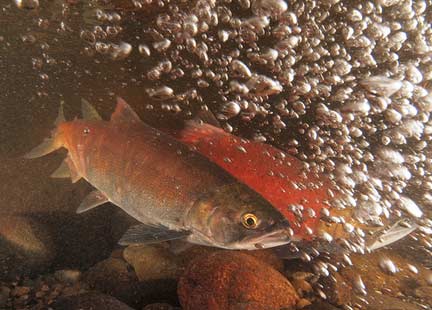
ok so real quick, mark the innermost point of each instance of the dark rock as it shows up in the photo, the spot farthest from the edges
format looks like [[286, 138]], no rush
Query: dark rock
[[160, 306], [26, 247], [301, 282], [336, 289], [321, 305], [113, 277], [152, 262], [4, 295], [89, 301], [233, 280]]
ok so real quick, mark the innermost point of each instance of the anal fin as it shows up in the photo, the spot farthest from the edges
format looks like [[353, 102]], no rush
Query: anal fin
[[92, 200], [145, 234]]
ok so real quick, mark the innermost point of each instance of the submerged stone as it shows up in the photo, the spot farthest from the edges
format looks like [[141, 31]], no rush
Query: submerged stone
[[231, 280]]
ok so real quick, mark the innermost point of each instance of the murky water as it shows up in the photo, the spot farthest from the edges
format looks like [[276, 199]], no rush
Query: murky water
[[342, 87]]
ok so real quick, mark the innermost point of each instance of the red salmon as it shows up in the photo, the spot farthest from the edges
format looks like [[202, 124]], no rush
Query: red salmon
[[174, 192], [277, 176]]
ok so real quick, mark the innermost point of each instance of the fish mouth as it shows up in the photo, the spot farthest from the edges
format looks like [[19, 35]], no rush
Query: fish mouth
[[271, 239], [267, 240]]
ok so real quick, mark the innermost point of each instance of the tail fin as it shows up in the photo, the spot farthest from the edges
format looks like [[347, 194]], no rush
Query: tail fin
[[49, 144]]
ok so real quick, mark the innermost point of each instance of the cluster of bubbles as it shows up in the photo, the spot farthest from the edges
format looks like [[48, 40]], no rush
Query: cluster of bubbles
[[343, 86]]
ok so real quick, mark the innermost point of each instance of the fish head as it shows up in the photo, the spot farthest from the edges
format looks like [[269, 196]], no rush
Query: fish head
[[235, 217]]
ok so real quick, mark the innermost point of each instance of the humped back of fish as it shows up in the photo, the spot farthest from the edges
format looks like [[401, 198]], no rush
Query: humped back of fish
[[153, 181]]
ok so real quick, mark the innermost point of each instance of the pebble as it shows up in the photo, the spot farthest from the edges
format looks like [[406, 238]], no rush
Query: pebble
[[89, 301], [68, 276], [425, 293], [303, 303], [337, 290]]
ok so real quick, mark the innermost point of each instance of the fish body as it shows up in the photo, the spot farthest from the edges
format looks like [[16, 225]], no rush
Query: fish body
[[174, 192], [277, 176], [123, 159], [280, 178]]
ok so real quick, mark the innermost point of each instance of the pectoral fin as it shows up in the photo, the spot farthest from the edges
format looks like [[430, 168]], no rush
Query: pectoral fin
[[393, 234], [67, 170], [62, 171], [49, 144], [92, 200], [145, 234]]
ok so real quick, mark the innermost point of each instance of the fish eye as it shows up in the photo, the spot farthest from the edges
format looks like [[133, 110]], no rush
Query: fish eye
[[249, 220]]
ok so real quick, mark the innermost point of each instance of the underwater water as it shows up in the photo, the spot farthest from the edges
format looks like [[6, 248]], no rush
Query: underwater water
[[333, 96]]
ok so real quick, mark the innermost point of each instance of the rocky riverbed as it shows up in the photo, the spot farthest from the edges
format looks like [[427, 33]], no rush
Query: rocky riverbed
[[152, 277]]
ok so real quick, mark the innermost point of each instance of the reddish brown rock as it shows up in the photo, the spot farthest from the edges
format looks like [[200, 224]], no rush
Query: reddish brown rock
[[267, 255], [228, 280]]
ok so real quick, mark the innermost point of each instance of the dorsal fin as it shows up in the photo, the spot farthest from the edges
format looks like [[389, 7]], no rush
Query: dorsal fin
[[203, 126], [60, 116], [124, 113], [207, 117], [88, 111]]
